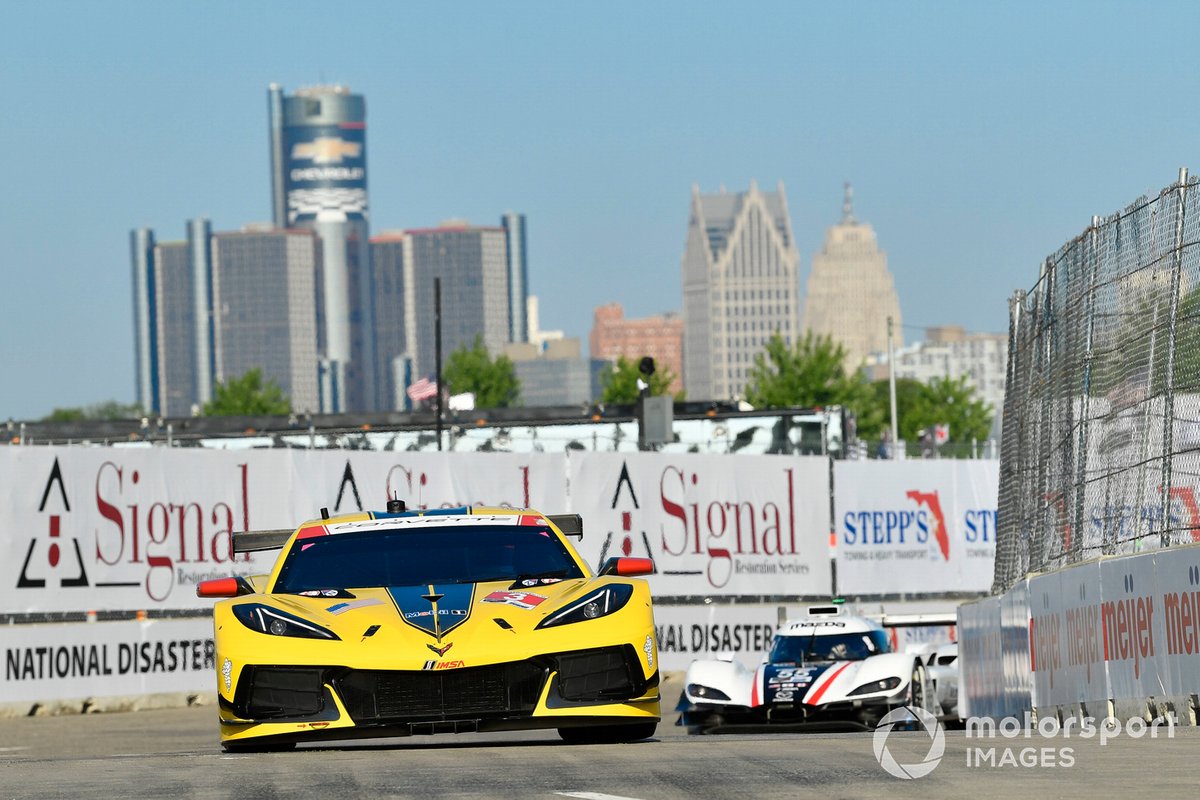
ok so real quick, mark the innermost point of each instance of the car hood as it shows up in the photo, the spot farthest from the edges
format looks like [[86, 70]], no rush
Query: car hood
[[484, 622], [820, 683]]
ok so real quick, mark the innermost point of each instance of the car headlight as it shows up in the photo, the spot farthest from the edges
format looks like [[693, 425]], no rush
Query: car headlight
[[599, 603], [264, 619], [706, 692], [885, 685]]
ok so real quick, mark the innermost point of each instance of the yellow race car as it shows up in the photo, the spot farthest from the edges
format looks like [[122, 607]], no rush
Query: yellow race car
[[441, 621]]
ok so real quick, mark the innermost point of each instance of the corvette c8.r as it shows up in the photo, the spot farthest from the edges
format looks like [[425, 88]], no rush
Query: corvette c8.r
[[399, 623]]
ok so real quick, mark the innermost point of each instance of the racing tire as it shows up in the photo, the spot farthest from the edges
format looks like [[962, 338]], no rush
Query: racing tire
[[608, 734], [257, 747], [916, 688]]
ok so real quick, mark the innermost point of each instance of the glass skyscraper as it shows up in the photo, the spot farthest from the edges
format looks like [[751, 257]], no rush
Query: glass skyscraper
[[518, 276], [319, 182], [264, 309]]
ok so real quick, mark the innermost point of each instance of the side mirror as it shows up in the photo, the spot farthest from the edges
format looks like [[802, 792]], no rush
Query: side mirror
[[628, 567], [224, 587]]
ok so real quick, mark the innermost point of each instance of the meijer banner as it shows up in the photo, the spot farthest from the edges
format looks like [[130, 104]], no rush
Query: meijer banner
[[915, 526], [714, 524]]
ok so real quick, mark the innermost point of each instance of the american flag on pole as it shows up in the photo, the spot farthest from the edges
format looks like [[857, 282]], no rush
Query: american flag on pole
[[422, 390]]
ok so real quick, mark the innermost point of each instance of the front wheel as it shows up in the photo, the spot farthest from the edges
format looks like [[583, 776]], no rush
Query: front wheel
[[608, 734], [922, 691]]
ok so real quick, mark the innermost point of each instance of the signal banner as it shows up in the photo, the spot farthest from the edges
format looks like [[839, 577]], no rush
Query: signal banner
[[915, 527], [118, 529], [714, 524]]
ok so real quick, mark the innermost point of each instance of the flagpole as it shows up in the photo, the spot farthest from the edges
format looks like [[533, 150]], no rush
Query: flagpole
[[437, 346]]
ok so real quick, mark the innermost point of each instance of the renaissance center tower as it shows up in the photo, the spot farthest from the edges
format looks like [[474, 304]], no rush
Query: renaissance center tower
[[319, 182]]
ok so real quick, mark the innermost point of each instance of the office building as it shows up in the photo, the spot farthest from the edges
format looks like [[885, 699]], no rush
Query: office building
[[518, 276], [949, 351], [199, 245], [556, 373], [538, 336], [390, 253], [175, 354], [740, 286], [659, 336], [319, 182], [472, 263], [850, 293], [265, 311], [172, 320], [213, 307], [145, 337]]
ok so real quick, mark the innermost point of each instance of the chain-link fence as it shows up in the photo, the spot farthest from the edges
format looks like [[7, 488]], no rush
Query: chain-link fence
[[1100, 452]]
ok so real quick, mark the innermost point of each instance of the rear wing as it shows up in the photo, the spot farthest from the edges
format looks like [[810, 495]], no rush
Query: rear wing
[[255, 541], [918, 620], [569, 524]]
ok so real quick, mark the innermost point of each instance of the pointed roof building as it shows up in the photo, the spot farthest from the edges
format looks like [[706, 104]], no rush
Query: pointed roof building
[[740, 286], [850, 292]]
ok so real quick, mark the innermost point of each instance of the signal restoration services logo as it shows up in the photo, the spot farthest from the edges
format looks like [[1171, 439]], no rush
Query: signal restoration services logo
[[927, 723]]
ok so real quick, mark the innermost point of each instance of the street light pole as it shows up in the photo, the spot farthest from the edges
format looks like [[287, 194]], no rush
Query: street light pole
[[892, 391], [437, 353]]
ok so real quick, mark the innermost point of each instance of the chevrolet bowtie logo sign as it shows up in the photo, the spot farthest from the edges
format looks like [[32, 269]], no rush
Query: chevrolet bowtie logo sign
[[326, 150]]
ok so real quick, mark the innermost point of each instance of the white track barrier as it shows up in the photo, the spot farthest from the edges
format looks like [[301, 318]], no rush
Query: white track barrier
[[1116, 636], [101, 666]]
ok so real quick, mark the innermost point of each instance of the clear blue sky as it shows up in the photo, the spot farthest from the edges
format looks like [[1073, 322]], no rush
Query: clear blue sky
[[978, 136]]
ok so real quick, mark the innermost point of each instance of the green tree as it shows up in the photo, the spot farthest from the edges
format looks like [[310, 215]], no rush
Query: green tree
[[953, 401], [810, 374], [248, 396], [876, 417], [920, 406], [493, 381], [620, 382], [110, 409]]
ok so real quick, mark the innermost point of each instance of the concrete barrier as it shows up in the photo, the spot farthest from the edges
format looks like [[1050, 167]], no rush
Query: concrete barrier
[[1117, 636], [98, 666]]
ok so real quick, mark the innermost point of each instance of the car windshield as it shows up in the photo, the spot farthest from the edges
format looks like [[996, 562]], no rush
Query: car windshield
[[828, 647], [418, 556]]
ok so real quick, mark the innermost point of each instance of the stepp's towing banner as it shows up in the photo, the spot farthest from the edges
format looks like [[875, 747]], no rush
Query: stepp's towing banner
[[915, 526], [714, 524]]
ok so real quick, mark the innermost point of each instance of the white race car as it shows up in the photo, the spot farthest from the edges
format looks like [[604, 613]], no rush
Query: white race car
[[941, 662], [827, 669]]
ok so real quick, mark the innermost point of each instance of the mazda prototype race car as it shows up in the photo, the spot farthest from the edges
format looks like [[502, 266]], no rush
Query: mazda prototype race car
[[827, 669], [399, 623]]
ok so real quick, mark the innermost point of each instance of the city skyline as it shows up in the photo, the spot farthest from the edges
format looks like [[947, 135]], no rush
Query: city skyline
[[978, 141]]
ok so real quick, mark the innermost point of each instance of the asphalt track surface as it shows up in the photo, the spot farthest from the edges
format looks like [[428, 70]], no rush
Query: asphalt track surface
[[174, 754]]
